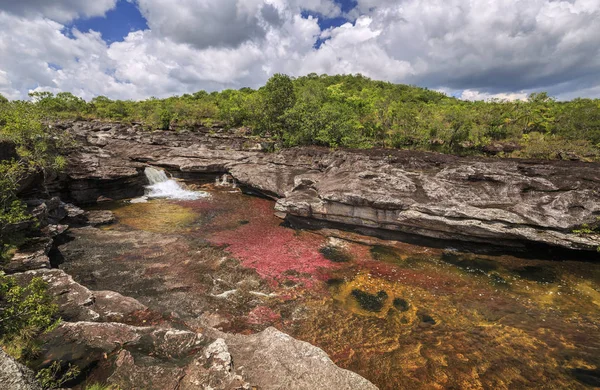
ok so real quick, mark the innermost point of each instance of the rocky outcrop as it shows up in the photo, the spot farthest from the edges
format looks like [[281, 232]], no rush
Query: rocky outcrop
[[78, 303], [32, 256], [498, 201], [274, 360], [15, 376], [157, 358]]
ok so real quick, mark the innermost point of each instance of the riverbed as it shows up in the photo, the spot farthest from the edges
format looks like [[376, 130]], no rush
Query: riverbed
[[403, 316]]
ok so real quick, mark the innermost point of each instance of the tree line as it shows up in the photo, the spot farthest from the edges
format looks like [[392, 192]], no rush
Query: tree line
[[356, 112]]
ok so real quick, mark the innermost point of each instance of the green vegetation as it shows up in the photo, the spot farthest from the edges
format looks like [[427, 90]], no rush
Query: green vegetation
[[356, 112], [27, 147], [25, 313], [56, 375]]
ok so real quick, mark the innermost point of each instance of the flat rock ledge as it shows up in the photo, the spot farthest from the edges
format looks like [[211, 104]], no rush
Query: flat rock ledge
[[483, 200], [157, 358]]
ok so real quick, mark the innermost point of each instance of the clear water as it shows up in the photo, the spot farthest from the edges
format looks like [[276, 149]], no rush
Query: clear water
[[403, 316]]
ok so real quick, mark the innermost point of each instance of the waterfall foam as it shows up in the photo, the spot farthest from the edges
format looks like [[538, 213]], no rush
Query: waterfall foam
[[162, 187]]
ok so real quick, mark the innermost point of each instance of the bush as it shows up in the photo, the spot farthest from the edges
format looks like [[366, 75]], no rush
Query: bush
[[25, 313]]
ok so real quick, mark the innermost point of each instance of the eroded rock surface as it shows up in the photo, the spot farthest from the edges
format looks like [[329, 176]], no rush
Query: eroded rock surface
[[32, 256], [15, 376], [158, 358], [497, 201], [78, 303]]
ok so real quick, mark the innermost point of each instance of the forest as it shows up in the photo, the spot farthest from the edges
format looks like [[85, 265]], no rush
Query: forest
[[353, 111]]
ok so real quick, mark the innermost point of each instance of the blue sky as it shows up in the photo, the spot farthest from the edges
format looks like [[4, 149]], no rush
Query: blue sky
[[126, 17], [116, 24], [140, 48]]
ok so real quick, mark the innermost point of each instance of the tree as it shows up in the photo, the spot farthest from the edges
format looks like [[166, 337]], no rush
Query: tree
[[3, 100], [279, 96]]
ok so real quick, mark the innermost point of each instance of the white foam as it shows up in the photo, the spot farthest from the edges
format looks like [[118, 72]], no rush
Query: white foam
[[163, 187]]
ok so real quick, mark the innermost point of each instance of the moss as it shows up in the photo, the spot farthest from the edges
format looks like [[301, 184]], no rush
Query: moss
[[335, 254], [370, 302], [384, 253], [401, 305]]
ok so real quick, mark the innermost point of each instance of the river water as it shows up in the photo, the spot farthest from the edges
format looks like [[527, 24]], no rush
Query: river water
[[404, 316]]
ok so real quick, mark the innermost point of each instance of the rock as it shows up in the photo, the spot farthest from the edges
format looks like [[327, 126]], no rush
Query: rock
[[77, 303], [99, 217], [157, 358], [498, 201], [274, 360], [73, 213], [15, 376], [55, 230], [32, 256]]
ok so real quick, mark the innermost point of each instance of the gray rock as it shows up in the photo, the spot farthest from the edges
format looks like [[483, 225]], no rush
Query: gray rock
[[77, 303], [158, 358], [273, 360], [99, 217], [499, 201], [15, 376], [32, 256]]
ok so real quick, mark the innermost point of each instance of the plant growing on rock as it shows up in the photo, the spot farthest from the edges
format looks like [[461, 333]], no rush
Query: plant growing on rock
[[56, 375], [25, 313]]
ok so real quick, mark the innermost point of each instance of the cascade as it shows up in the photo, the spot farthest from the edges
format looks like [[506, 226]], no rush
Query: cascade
[[162, 187]]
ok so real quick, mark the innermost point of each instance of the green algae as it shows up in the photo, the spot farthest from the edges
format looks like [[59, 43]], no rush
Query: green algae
[[335, 254]]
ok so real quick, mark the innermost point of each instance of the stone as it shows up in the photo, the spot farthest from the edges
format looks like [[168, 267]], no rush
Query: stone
[[32, 256], [274, 360], [509, 202], [78, 303], [99, 217], [15, 376], [159, 358]]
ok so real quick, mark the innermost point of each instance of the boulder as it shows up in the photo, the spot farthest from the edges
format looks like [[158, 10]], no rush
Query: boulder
[[157, 358], [32, 256], [15, 376], [78, 303]]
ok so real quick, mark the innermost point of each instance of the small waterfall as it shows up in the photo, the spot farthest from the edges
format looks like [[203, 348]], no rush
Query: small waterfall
[[163, 187], [224, 182]]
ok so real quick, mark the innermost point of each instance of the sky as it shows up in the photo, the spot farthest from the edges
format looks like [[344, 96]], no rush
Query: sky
[[136, 49]]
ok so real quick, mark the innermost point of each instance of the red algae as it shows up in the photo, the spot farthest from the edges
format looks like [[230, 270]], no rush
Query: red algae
[[401, 315], [254, 236], [262, 315]]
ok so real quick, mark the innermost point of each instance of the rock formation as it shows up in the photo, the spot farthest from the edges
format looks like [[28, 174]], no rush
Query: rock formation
[[485, 200]]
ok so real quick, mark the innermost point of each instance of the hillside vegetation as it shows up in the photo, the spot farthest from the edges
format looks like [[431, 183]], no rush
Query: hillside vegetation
[[354, 111]]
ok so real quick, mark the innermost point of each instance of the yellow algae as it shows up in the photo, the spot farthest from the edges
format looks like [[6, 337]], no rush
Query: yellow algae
[[586, 288], [164, 218]]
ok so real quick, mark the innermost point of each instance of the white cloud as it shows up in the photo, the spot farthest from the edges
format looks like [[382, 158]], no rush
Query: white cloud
[[487, 48], [59, 10], [470, 94], [224, 23]]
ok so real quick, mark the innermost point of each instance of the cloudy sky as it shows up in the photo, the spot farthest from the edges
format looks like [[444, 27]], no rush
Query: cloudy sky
[[134, 49]]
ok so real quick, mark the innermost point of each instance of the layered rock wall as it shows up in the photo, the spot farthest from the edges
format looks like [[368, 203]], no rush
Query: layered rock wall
[[498, 201]]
